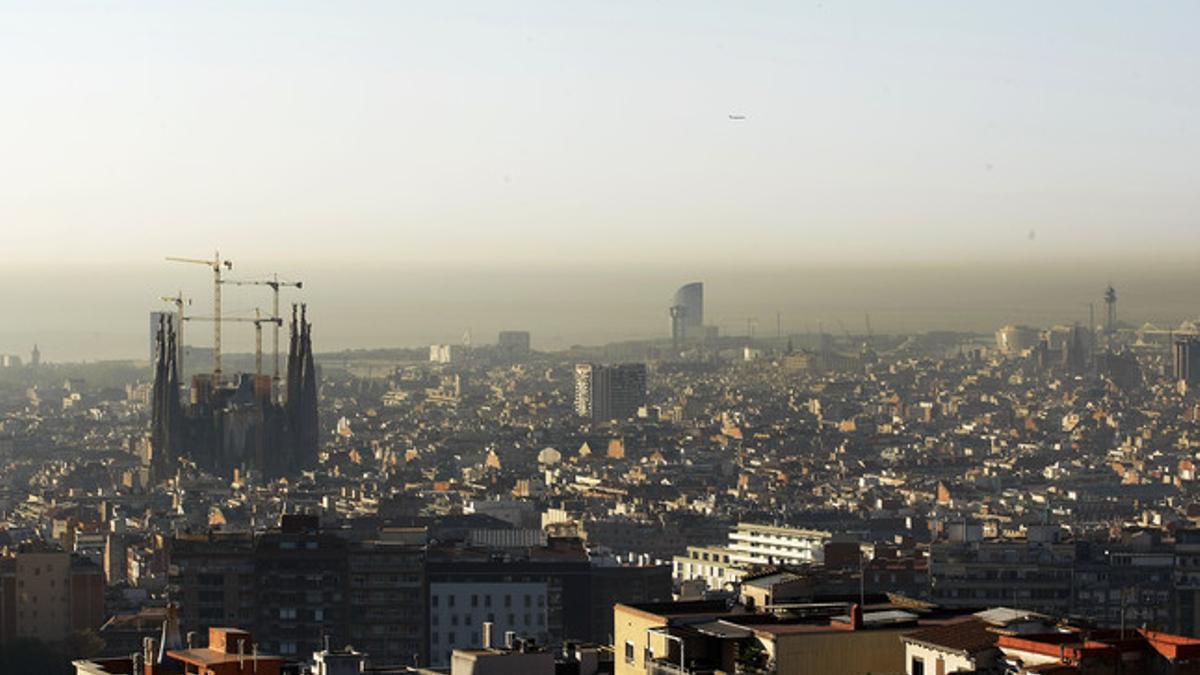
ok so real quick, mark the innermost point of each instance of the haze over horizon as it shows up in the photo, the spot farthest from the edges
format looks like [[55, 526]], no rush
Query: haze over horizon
[[562, 167], [373, 306]]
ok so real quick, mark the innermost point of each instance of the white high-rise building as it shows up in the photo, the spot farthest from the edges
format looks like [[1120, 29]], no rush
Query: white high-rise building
[[687, 312]]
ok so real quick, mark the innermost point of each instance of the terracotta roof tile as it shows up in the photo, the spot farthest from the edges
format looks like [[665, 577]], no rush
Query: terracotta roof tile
[[969, 635]]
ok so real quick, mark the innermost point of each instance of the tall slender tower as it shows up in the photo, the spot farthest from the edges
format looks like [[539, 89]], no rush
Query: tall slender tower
[[166, 431], [301, 404], [309, 436], [1110, 305]]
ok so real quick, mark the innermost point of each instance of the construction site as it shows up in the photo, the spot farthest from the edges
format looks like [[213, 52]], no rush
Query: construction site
[[245, 425]]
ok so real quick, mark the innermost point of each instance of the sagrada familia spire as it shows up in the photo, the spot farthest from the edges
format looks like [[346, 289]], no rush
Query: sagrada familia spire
[[167, 412], [301, 404], [224, 427]]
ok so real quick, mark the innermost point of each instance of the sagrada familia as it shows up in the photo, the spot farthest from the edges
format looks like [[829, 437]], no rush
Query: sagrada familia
[[237, 426]]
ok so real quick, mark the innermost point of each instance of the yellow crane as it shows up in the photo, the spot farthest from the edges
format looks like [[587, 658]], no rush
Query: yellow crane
[[274, 284], [258, 320], [216, 264]]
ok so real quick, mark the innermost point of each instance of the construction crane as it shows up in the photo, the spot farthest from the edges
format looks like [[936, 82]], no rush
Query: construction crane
[[258, 321], [216, 264], [180, 302], [274, 284], [849, 337]]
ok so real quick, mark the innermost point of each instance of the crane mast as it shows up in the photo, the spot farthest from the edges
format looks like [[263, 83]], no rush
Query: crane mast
[[258, 321], [275, 284], [216, 264]]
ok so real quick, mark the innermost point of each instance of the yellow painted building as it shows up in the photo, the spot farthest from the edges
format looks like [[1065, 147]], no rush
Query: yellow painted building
[[707, 636]]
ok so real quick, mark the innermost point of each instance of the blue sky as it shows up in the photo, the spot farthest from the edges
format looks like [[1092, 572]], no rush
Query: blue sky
[[568, 131]]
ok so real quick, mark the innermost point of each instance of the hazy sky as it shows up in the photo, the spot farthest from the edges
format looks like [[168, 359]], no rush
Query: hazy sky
[[563, 166], [560, 131]]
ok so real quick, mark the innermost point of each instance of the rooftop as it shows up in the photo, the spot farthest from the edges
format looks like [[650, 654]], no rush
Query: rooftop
[[968, 636]]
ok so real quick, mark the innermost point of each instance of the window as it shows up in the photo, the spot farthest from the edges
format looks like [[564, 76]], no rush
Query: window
[[450, 600], [487, 601], [528, 600], [318, 615], [474, 600], [918, 666], [508, 601], [629, 652], [287, 613], [433, 601]]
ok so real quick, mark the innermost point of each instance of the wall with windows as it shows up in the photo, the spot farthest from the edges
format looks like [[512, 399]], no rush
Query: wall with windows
[[457, 612]]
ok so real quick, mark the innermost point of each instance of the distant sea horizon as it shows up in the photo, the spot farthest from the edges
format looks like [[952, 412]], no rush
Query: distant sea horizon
[[78, 314]]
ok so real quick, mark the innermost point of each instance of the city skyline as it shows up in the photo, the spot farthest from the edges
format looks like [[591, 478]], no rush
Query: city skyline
[[380, 307], [621, 338]]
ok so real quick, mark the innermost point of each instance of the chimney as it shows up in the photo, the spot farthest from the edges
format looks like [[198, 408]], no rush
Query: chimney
[[856, 617], [487, 634], [510, 638]]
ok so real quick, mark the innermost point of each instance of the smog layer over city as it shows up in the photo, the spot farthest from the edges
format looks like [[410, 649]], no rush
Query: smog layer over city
[[581, 338]]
